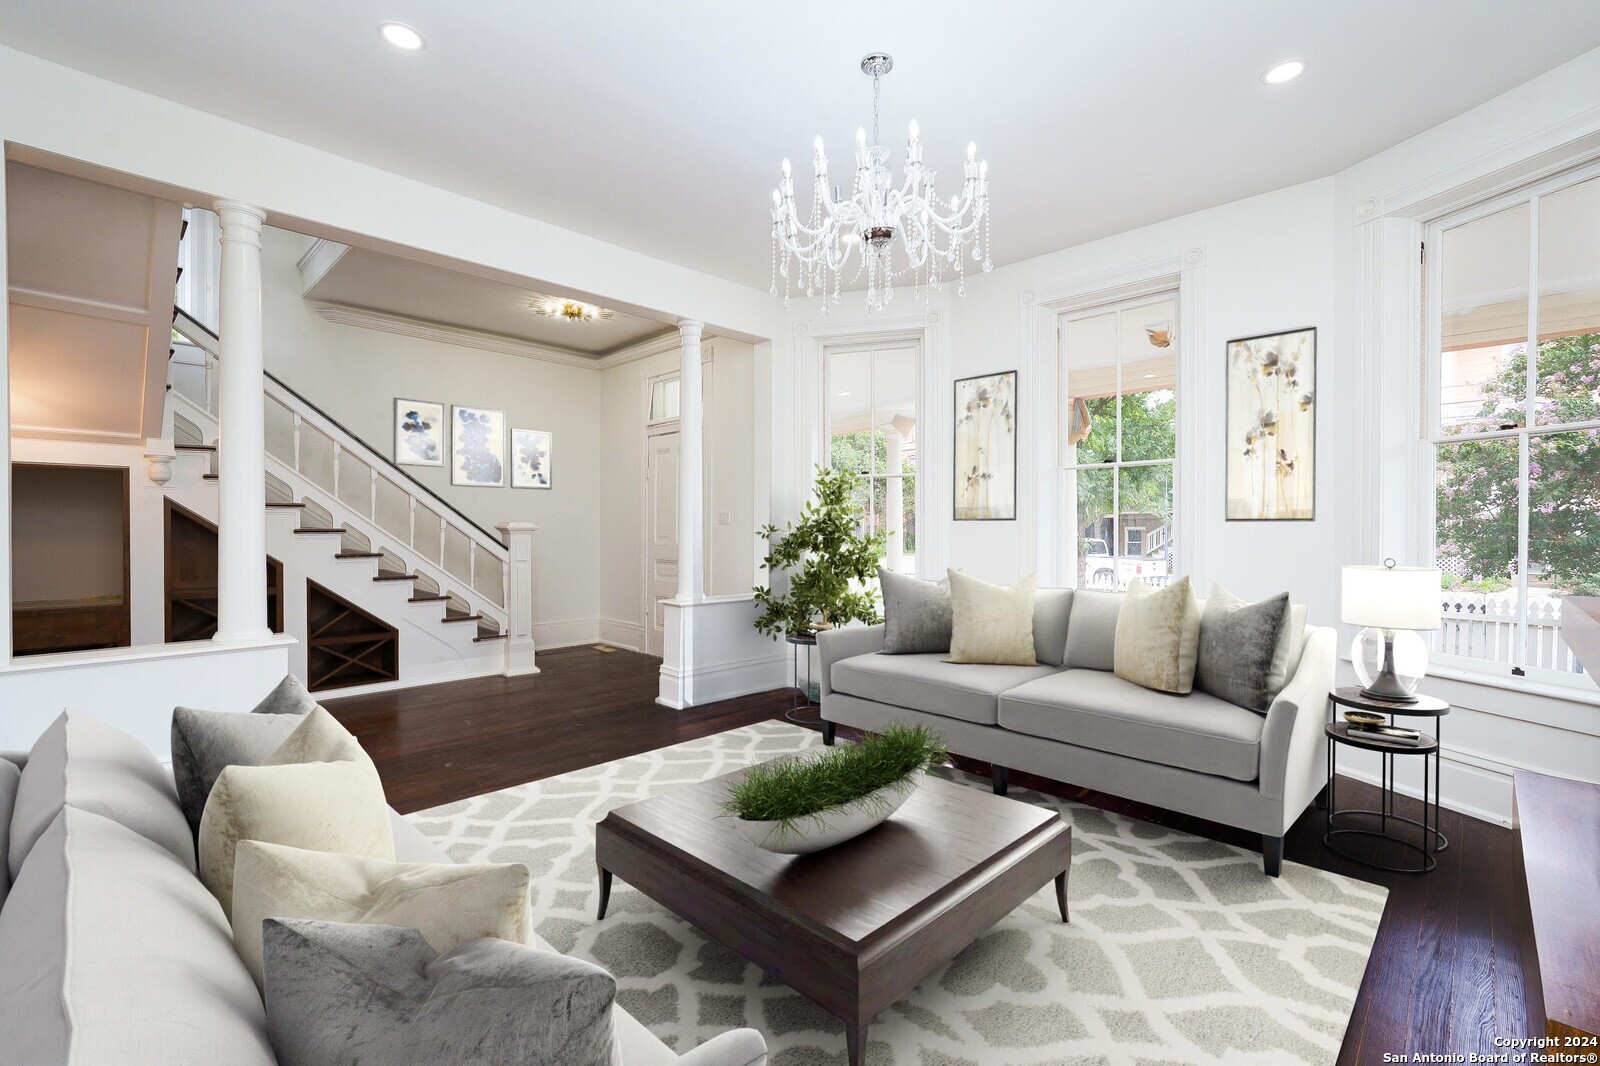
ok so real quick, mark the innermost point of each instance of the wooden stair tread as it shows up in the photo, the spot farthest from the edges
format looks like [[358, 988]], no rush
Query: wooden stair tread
[[429, 599], [194, 447], [280, 503], [462, 618], [384, 575], [211, 477], [358, 555], [320, 529], [482, 638]]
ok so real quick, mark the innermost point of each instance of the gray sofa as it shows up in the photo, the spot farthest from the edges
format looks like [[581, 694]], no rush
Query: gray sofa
[[1195, 754], [111, 950]]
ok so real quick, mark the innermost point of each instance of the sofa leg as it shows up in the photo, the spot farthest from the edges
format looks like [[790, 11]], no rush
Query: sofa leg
[[1001, 778], [1271, 855], [827, 733]]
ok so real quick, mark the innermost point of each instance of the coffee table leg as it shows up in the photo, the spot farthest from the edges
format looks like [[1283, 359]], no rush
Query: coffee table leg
[[1061, 894], [605, 893], [855, 1041]]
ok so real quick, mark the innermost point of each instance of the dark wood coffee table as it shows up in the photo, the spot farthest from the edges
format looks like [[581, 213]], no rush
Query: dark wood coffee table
[[855, 927]]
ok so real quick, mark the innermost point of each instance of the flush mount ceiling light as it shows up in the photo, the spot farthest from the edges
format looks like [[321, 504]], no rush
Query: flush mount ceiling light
[[1288, 70], [559, 307], [402, 36], [814, 252]]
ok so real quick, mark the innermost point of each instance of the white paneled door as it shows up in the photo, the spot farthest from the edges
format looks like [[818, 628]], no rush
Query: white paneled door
[[661, 542]]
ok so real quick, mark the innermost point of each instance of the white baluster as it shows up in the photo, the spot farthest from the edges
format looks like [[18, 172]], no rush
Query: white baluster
[[295, 419], [442, 528], [411, 521], [472, 564], [372, 472], [337, 451]]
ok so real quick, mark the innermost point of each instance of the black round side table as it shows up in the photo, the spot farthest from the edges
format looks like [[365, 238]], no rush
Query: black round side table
[[1422, 707], [803, 643]]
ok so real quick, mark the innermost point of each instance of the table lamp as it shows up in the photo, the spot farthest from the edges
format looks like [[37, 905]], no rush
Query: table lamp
[[1391, 603]]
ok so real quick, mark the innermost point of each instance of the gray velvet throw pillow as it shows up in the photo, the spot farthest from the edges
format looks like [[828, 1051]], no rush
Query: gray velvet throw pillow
[[916, 614], [288, 696], [205, 742], [381, 996], [1237, 642]]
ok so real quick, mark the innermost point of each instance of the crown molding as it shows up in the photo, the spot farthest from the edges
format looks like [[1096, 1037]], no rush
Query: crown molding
[[648, 348], [318, 259], [466, 338]]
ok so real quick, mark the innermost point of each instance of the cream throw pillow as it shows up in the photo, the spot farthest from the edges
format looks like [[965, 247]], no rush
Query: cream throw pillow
[[1158, 636], [991, 623], [448, 903], [318, 790]]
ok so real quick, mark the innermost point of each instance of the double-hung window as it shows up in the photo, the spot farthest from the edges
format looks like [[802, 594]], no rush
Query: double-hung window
[[1120, 422], [871, 408], [1511, 424]]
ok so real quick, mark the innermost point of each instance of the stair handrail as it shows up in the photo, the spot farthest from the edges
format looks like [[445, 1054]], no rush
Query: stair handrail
[[374, 457], [197, 333]]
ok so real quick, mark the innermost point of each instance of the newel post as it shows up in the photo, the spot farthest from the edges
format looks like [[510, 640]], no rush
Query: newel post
[[519, 597]]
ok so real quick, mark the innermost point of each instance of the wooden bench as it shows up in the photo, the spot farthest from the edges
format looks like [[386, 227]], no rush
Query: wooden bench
[[1559, 822]]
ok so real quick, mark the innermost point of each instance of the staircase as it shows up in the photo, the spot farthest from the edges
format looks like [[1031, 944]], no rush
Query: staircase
[[350, 524]]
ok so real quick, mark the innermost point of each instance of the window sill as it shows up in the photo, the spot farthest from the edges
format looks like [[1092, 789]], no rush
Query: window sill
[[1522, 685]]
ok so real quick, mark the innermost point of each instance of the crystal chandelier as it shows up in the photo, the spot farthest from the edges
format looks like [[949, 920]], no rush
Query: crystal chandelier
[[812, 253]]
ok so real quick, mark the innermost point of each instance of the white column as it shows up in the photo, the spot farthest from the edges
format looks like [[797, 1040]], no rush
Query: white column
[[691, 418], [519, 598], [894, 505], [241, 509]]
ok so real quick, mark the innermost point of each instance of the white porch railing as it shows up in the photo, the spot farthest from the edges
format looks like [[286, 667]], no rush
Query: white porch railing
[[330, 459], [1483, 626]]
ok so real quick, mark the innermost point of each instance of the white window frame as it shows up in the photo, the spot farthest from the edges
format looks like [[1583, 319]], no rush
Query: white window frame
[[1068, 458], [886, 343], [1430, 431]]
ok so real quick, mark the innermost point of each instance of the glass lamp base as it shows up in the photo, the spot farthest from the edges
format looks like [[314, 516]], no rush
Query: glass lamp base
[[1389, 663]]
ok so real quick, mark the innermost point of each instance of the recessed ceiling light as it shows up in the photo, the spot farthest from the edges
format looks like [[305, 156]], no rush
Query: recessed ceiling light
[[846, 393], [402, 36], [1288, 70]]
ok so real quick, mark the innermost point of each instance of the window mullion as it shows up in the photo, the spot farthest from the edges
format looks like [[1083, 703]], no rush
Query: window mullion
[[1525, 442]]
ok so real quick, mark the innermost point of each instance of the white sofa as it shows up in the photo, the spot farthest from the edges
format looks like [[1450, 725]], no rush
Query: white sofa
[[113, 951], [1195, 754]]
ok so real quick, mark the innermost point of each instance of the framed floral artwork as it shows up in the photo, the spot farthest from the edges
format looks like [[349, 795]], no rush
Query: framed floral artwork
[[477, 446], [1272, 427], [418, 433], [986, 448], [530, 459]]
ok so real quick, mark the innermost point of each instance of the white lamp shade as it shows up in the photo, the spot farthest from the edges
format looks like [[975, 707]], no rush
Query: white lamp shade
[[1391, 597]]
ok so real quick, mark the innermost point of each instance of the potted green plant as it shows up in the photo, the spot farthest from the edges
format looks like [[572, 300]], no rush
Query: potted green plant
[[809, 802], [832, 565]]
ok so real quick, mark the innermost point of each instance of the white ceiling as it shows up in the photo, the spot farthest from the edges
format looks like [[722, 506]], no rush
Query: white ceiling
[[374, 281], [659, 126]]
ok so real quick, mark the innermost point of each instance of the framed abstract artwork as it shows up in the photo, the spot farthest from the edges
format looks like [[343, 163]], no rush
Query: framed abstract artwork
[[1272, 427], [986, 448], [418, 433], [530, 459], [477, 446]]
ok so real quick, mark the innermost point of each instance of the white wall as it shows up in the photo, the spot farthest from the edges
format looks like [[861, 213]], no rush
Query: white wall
[[1338, 253], [355, 374], [730, 481]]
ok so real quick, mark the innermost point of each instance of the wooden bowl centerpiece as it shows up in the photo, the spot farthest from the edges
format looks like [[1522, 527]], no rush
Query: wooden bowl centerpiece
[[809, 802]]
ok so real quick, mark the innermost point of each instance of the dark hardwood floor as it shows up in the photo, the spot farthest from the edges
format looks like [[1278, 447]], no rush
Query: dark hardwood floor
[[1447, 970]]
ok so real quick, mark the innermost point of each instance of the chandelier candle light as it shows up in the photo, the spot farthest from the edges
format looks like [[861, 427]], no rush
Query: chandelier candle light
[[819, 250]]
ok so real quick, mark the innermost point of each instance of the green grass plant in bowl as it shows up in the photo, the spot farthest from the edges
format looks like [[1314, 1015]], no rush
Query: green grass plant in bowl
[[808, 802]]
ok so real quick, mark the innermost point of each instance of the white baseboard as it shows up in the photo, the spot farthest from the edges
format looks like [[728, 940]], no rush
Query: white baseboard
[[629, 636], [722, 681], [566, 634], [1471, 785]]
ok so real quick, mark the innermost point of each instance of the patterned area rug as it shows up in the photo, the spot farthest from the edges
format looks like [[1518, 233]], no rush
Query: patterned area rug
[[1179, 950]]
